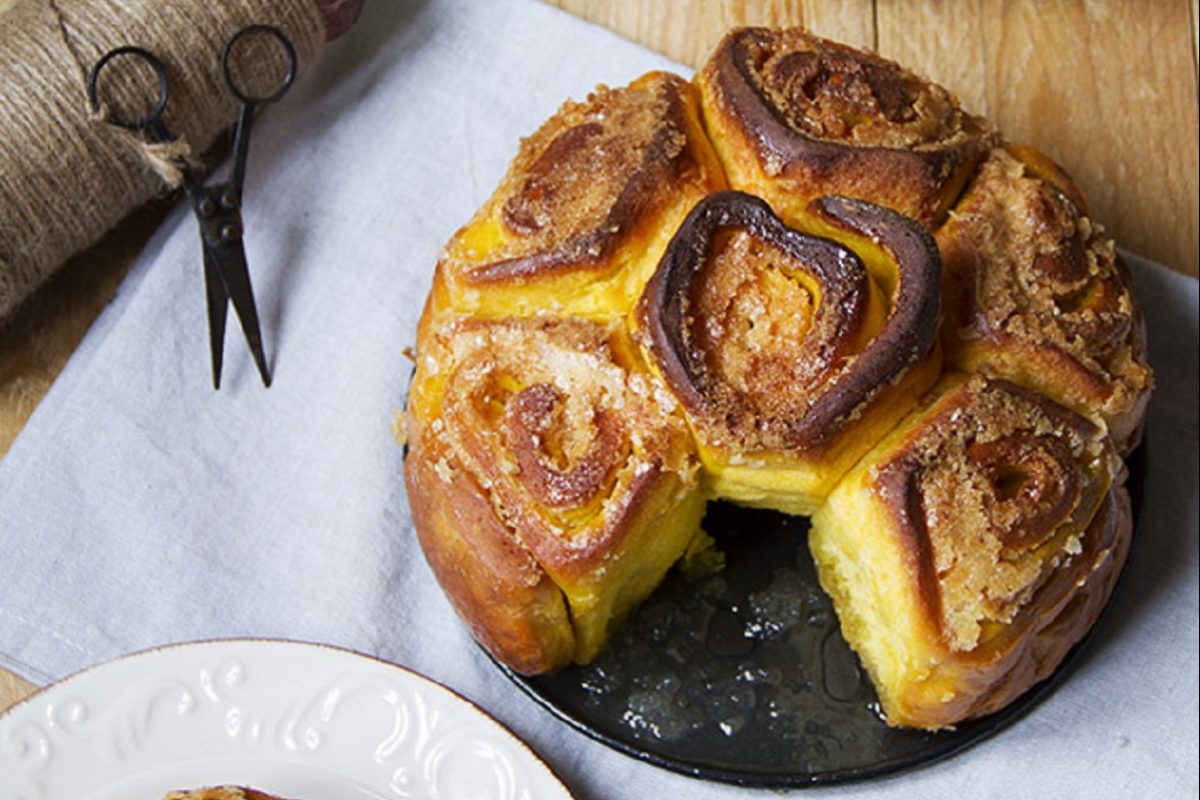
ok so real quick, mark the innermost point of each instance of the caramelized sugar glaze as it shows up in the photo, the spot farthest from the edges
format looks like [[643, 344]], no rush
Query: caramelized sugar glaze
[[581, 218], [796, 117], [1036, 293], [742, 287], [780, 346], [973, 547]]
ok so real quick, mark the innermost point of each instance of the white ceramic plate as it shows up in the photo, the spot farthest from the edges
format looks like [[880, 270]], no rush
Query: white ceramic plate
[[298, 720]]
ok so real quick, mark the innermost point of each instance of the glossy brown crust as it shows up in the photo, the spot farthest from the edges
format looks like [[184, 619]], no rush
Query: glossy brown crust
[[910, 331], [1036, 294], [590, 176], [822, 118], [833, 379], [494, 583], [979, 489], [667, 310]]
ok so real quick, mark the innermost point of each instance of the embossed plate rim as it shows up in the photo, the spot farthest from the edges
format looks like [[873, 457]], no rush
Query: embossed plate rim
[[83, 736]]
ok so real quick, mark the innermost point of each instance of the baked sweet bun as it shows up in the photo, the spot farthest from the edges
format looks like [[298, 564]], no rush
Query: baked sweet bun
[[221, 793], [788, 359], [552, 480], [794, 117], [1036, 294], [587, 206], [808, 281], [972, 548]]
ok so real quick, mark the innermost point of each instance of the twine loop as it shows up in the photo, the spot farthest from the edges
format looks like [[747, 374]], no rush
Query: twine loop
[[67, 177]]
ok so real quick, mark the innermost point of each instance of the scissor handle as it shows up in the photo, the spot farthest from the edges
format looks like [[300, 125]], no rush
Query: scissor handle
[[151, 121], [288, 50]]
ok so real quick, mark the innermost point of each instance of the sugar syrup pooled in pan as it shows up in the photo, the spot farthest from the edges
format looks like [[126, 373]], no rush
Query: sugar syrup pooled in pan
[[742, 675]]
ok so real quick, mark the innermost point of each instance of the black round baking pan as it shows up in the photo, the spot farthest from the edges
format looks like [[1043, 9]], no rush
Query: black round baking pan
[[743, 677]]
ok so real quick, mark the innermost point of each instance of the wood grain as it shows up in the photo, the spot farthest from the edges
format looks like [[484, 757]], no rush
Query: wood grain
[[1107, 88], [13, 689], [687, 30], [37, 341]]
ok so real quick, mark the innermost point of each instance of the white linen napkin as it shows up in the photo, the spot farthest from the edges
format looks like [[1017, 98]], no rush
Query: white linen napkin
[[139, 507]]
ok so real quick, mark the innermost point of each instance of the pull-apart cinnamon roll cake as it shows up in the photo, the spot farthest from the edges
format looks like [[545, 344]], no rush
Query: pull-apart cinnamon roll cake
[[744, 287]]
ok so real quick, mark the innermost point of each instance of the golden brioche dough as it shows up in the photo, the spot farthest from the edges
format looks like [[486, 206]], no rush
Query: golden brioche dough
[[734, 288], [794, 117], [955, 551], [1035, 294], [552, 480], [587, 206]]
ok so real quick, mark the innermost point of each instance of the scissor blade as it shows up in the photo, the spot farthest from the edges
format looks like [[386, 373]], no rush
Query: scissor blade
[[237, 283], [218, 306]]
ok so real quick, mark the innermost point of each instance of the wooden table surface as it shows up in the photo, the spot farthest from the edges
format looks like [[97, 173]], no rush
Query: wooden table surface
[[1109, 89]]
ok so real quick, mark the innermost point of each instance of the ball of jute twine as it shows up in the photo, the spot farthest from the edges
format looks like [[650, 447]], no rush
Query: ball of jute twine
[[66, 177]]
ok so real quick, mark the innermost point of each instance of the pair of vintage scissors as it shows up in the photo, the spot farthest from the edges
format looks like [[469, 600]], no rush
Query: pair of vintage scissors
[[217, 207]]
